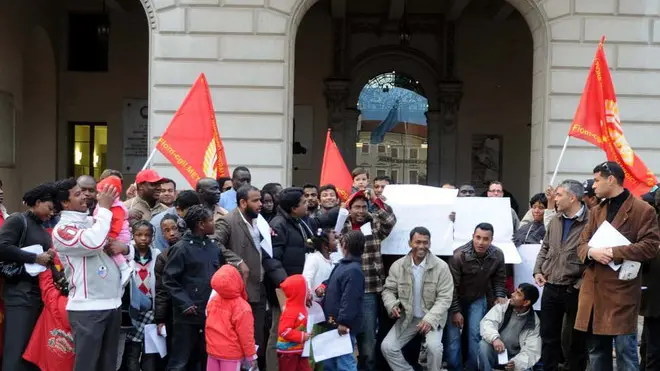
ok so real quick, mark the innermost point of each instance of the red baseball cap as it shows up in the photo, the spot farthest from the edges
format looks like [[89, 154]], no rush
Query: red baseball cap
[[148, 176]]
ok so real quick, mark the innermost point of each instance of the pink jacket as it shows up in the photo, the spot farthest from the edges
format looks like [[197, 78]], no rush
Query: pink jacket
[[119, 228]]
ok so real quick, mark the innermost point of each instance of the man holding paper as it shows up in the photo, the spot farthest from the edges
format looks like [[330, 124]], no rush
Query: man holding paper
[[608, 306], [418, 293], [559, 271]]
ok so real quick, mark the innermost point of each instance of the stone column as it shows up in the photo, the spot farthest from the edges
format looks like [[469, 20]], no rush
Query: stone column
[[336, 94], [451, 93], [349, 136], [433, 123]]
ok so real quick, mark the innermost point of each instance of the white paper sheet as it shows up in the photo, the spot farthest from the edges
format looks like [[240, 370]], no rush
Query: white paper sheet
[[34, 269], [366, 229], [503, 358], [264, 230], [607, 236], [415, 206], [341, 220], [524, 272], [330, 345], [314, 315], [153, 343], [470, 211]]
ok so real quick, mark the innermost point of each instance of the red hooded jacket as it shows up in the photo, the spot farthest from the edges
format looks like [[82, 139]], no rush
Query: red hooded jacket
[[293, 321], [229, 321], [51, 345]]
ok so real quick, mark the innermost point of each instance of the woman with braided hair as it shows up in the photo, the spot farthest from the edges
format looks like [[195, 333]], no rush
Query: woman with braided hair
[[187, 276]]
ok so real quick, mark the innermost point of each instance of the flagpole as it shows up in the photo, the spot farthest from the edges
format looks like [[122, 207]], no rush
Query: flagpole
[[151, 157], [561, 155]]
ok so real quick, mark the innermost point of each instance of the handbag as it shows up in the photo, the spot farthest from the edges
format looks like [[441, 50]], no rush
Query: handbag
[[11, 270]]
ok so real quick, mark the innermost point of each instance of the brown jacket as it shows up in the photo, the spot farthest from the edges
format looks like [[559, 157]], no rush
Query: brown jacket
[[558, 260], [615, 303], [474, 277], [232, 232], [137, 203]]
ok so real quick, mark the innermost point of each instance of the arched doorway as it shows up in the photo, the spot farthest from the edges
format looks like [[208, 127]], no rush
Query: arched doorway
[[479, 92], [392, 136]]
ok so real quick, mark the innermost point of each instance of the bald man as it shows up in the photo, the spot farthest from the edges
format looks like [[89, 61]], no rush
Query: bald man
[[87, 184]]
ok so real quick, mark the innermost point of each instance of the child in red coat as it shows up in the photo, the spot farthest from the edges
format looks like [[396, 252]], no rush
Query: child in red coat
[[292, 331], [51, 345]]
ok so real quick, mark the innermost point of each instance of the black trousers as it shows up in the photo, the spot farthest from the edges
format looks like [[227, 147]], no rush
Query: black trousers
[[188, 352], [136, 359], [556, 301], [650, 349], [96, 338], [18, 325], [259, 314]]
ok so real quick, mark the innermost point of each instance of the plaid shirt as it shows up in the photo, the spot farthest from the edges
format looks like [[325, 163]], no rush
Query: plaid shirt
[[382, 222], [136, 333]]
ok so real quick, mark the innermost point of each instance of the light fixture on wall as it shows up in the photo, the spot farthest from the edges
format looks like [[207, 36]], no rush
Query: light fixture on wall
[[103, 27], [77, 155]]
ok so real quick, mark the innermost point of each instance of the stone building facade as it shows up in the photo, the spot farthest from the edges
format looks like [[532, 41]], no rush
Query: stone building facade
[[516, 72]]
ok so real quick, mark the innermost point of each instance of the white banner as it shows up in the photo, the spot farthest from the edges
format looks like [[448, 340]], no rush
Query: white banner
[[524, 272], [419, 206], [424, 206]]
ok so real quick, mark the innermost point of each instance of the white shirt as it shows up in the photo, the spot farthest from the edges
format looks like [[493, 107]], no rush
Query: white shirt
[[256, 238], [317, 269], [418, 285]]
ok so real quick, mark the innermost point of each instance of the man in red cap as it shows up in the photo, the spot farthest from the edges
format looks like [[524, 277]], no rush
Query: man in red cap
[[146, 202]]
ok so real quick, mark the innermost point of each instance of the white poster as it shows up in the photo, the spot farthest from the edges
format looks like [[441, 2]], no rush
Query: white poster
[[136, 135], [471, 211], [524, 272], [419, 206]]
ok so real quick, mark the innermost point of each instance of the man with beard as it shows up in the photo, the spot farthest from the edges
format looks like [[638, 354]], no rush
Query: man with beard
[[148, 191], [311, 194], [87, 184], [209, 194], [239, 233]]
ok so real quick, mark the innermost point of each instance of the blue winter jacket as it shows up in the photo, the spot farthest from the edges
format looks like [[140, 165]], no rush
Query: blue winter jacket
[[344, 293]]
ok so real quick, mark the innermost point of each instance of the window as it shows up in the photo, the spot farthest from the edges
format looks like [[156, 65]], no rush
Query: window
[[412, 177], [88, 47], [394, 152], [381, 149], [89, 148], [394, 176], [365, 148], [381, 172], [413, 154]]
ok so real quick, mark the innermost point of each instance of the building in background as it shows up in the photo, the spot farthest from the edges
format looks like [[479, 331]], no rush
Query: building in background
[[88, 84]]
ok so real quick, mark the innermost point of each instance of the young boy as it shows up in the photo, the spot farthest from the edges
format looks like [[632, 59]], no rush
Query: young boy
[[187, 276], [360, 179], [344, 291]]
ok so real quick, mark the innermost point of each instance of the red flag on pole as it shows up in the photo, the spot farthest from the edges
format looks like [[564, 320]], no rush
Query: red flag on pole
[[191, 142], [334, 170], [597, 121]]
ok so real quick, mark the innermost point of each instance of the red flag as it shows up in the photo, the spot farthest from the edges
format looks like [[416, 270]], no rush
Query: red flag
[[191, 142], [334, 170], [597, 121]]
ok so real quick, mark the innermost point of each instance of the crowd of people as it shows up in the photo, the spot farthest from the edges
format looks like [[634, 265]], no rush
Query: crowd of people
[[226, 276]]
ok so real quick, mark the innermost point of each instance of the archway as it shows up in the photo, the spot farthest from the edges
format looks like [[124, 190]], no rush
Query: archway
[[536, 24], [392, 135], [39, 111]]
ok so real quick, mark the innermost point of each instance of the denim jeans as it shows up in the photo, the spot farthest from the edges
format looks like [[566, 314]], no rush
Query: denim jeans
[[600, 352], [346, 362], [367, 339], [472, 313]]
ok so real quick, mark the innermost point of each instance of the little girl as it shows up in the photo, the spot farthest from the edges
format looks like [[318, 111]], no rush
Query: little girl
[[318, 264], [145, 280], [229, 323], [119, 229]]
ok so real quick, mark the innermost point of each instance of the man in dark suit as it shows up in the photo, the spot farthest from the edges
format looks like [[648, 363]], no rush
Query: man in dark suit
[[238, 232]]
